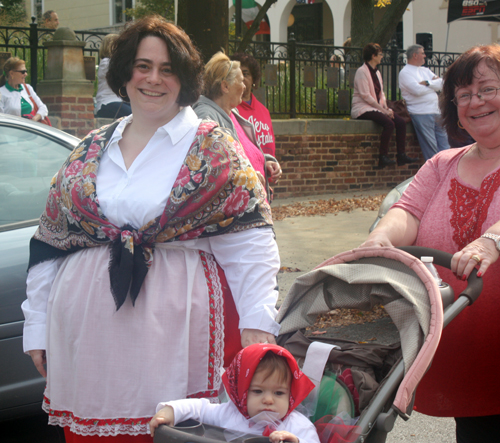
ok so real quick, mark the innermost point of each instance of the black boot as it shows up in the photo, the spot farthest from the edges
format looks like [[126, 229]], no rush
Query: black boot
[[403, 159], [384, 161]]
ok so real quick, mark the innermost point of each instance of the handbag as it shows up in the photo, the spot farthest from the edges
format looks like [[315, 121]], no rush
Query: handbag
[[399, 107], [45, 120]]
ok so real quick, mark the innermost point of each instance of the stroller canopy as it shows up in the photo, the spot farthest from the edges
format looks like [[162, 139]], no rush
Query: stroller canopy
[[362, 279]]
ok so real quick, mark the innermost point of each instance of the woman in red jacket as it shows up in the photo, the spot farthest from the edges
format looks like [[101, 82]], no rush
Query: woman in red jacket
[[250, 108]]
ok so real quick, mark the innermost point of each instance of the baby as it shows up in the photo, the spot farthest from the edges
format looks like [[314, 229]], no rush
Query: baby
[[265, 385]]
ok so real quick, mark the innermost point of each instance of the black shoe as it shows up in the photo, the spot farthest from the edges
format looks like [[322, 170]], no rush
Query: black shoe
[[384, 161], [403, 159]]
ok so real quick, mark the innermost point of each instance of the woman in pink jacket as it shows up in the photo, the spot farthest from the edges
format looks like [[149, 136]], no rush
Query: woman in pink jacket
[[368, 103]]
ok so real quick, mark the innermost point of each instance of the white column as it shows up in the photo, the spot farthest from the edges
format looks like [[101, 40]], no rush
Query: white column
[[408, 34]]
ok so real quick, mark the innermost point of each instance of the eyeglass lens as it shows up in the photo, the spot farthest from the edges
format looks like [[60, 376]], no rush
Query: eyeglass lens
[[486, 94]]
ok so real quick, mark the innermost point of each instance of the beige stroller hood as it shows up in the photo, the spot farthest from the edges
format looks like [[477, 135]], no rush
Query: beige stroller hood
[[366, 277]]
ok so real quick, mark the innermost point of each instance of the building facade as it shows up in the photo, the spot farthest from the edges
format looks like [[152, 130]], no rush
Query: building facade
[[327, 20]]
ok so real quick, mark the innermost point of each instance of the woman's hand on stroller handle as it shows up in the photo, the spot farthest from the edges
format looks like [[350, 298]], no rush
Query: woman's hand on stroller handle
[[281, 436], [164, 416], [251, 336]]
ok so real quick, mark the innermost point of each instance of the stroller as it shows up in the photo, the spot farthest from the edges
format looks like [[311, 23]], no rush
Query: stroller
[[361, 387]]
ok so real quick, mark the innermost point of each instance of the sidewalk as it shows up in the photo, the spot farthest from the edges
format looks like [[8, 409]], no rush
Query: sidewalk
[[304, 243]]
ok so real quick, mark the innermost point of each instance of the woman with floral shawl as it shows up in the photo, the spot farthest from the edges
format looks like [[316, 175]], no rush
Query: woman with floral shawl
[[155, 247]]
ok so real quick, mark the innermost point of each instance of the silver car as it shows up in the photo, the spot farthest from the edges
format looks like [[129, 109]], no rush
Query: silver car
[[30, 155]]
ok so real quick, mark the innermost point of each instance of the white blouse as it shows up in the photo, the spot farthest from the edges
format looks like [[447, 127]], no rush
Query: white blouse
[[104, 95], [10, 101], [250, 258]]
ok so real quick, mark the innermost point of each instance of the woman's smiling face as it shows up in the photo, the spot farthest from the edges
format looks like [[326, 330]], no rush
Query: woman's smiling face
[[481, 118], [153, 88]]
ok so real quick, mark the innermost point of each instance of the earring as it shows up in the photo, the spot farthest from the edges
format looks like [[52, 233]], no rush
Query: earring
[[460, 124], [120, 92]]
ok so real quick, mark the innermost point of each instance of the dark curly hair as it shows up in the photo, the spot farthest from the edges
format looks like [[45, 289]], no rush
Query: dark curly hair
[[186, 61], [461, 73], [370, 50], [246, 60]]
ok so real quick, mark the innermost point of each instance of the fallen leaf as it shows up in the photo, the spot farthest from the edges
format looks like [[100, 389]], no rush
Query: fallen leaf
[[288, 269], [318, 332], [323, 207]]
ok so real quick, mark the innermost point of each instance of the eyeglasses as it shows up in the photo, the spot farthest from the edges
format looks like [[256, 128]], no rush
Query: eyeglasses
[[486, 94], [24, 71]]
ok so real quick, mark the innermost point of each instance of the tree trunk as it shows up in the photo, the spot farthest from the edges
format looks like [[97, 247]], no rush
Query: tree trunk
[[361, 22], [255, 26], [206, 22], [389, 22]]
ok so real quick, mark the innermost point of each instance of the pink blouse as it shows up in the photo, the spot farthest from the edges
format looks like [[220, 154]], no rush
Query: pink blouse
[[253, 153], [462, 380]]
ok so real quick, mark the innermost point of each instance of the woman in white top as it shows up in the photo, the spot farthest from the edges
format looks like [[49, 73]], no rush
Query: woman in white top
[[15, 93], [108, 104], [155, 250]]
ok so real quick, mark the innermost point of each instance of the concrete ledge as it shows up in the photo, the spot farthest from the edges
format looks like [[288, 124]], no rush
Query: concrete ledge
[[328, 126], [309, 127]]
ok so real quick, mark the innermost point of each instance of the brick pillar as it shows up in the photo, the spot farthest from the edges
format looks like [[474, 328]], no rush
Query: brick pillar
[[65, 90]]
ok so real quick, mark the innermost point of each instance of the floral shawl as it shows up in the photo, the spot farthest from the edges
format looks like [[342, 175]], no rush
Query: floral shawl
[[239, 374], [216, 192]]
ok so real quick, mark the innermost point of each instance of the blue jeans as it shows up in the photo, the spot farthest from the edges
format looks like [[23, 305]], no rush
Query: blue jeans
[[431, 135]]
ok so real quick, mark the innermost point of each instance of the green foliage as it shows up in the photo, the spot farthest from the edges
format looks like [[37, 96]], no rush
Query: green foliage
[[165, 8], [13, 12]]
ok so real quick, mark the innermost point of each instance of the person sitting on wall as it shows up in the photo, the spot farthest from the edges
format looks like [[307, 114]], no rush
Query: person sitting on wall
[[50, 19], [368, 103]]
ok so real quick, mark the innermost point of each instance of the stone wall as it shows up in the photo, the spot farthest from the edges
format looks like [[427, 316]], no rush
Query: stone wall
[[324, 156]]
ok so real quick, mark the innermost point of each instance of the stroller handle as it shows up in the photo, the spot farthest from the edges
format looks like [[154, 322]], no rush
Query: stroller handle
[[441, 258]]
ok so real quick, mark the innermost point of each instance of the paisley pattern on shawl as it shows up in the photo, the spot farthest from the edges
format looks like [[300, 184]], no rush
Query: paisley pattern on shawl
[[216, 192], [469, 208], [239, 374]]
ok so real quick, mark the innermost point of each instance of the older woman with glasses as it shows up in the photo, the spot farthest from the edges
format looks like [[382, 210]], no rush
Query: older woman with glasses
[[17, 97], [453, 204]]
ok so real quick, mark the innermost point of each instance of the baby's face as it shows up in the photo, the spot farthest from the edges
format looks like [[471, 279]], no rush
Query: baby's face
[[268, 394]]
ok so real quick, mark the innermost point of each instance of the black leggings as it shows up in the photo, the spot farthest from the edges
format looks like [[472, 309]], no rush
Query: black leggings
[[388, 124], [478, 429]]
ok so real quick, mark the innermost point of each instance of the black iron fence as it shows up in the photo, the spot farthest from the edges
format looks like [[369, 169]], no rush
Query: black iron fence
[[314, 80], [27, 44], [299, 79]]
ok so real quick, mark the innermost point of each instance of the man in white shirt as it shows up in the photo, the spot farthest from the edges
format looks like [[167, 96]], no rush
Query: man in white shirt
[[419, 87]]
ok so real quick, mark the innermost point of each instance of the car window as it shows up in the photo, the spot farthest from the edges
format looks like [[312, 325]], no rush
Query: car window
[[28, 161]]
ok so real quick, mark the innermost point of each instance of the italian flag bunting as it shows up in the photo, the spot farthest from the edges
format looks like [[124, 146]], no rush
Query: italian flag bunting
[[249, 11]]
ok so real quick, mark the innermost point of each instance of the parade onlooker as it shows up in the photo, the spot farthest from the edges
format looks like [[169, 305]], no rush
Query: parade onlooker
[[155, 250], [108, 104], [223, 90], [50, 19], [453, 205], [250, 108], [368, 103], [17, 97], [265, 386], [419, 87]]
